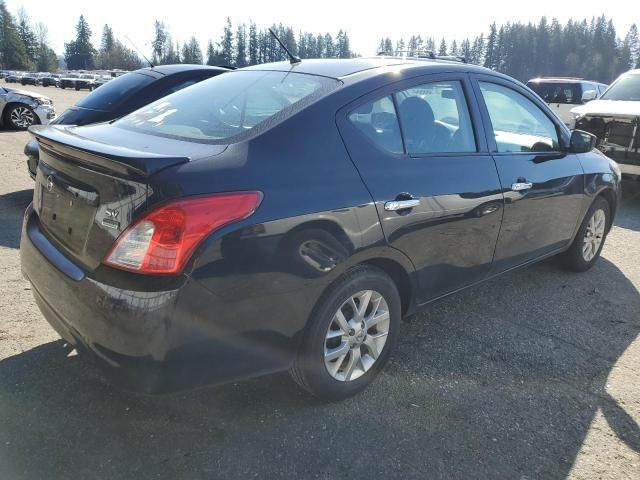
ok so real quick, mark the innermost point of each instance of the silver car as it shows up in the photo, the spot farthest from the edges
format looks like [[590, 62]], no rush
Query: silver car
[[19, 109]]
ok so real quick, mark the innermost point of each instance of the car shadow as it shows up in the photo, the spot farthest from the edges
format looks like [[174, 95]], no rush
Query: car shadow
[[500, 381], [12, 207]]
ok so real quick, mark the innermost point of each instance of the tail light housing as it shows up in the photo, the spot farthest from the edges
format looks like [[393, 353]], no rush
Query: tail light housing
[[163, 240]]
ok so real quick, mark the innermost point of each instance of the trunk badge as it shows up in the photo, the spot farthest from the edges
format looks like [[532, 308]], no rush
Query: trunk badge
[[110, 219], [49, 183]]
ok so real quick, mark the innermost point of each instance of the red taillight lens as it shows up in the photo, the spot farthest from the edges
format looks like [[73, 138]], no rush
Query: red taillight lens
[[163, 240]]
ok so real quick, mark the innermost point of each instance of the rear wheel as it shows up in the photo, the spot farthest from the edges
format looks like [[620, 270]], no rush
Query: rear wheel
[[350, 335], [587, 245], [20, 117]]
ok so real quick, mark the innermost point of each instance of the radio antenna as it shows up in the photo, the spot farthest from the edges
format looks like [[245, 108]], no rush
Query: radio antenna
[[140, 52]]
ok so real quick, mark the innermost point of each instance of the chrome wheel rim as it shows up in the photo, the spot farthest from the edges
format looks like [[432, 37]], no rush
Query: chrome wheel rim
[[356, 336], [594, 235], [22, 117]]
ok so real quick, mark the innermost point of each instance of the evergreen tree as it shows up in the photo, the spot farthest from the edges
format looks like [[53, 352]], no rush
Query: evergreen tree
[[226, 44], [454, 48], [443, 47], [13, 53], [241, 46], [79, 53], [28, 37], [490, 60], [191, 52], [634, 45], [108, 41], [388, 46], [253, 44], [160, 43]]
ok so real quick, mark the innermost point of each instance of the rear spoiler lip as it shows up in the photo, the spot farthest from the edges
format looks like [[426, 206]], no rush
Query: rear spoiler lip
[[60, 140]]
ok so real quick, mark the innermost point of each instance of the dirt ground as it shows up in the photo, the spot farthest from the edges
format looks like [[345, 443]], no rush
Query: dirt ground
[[534, 375]]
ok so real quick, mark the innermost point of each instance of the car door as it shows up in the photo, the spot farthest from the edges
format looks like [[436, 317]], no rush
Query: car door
[[421, 151], [542, 183]]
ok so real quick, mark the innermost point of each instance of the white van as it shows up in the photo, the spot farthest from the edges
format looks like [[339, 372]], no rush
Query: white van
[[563, 94]]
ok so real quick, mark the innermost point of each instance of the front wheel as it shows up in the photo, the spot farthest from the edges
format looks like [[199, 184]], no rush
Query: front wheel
[[21, 117], [350, 335], [587, 246]]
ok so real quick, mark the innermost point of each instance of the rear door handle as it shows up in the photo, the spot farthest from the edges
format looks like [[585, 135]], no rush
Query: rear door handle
[[519, 186], [395, 205]]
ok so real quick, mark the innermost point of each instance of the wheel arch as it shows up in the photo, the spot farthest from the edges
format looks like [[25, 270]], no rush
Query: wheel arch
[[610, 196], [400, 277]]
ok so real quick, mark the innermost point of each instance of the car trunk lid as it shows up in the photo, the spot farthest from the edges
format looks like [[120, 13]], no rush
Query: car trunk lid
[[88, 192]]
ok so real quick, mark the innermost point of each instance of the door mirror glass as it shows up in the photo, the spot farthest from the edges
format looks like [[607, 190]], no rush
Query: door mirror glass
[[589, 95], [582, 142]]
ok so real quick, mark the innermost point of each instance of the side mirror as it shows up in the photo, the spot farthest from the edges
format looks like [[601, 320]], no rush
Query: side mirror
[[582, 142], [589, 95]]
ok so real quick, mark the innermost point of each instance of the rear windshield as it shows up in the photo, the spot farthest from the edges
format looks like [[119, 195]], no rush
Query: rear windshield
[[227, 107], [111, 94], [626, 88], [558, 92]]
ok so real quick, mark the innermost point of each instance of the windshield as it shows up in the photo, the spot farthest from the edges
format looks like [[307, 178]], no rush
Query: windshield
[[626, 87], [229, 105], [118, 90], [558, 92]]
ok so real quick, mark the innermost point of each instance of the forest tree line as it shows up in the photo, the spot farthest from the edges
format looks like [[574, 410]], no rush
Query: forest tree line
[[589, 49], [586, 48]]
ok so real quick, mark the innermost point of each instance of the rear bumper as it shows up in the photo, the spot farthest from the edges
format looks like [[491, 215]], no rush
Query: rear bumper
[[149, 340]]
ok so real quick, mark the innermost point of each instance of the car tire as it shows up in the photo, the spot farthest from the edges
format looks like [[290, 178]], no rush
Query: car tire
[[77, 89], [20, 117], [587, 245], [336, 362]]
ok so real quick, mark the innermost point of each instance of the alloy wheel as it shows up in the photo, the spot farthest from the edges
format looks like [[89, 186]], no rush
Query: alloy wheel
[[22, 117], [594, 235], [356, 336]]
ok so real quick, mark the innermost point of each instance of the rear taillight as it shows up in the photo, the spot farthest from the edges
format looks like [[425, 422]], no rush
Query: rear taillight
[[162, 241]]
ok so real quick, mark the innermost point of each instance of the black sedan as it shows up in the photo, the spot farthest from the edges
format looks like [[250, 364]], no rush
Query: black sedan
[[125, 94], [287, 216]]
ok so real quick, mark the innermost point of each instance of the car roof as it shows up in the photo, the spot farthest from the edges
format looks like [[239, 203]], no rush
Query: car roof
[[342, 68], [179, 68]]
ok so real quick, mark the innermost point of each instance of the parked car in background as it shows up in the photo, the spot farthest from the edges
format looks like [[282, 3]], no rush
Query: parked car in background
[[30, 78], [13, 77], [124, 94], [562, 94], [287, 216], [68, 80], [102, 79], [85, 82], [615, 120], [49, 80], [20, 109]]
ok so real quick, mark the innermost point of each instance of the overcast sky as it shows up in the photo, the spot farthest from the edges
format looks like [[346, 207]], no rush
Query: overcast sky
[[365, 22]]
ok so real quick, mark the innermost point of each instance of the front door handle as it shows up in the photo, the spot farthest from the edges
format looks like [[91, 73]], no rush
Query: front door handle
[[395, 205], [519, 186]]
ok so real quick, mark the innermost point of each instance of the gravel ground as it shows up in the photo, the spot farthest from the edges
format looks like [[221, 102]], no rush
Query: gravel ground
[[533, 375]]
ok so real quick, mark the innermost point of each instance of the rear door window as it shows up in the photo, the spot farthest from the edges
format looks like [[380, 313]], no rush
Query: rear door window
[[435, 119], [379, 122]]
